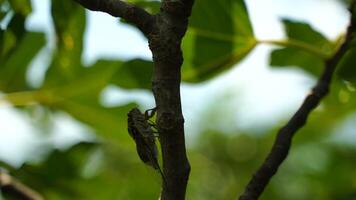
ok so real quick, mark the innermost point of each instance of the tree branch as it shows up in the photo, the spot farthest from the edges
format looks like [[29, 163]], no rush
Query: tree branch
[[11, 186], [180, 8], [283, 140], [165, 44], [117, 8], [164, 32]]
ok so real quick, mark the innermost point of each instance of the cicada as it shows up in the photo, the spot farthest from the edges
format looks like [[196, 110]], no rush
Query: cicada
[[141, 130]]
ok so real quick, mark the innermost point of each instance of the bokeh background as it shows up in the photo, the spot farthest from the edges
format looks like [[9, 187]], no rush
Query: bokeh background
[[69, 76]]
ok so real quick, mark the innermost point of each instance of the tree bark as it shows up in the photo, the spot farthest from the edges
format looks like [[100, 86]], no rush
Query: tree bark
[[165, 44]]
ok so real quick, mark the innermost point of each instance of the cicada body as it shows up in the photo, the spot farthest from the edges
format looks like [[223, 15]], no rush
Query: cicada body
[[141, 131]]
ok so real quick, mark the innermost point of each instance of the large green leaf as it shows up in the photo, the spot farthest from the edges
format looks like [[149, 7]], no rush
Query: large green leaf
[[13, 69], [69, 22], [135, 73], [306, 48], [75, 89], [109, 123], [81, 172], [219, 36], [80, 98]]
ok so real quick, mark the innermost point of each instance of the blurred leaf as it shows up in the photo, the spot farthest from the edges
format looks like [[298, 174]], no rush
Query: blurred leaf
[[22, 7], [58, 174], [2, 13], [352, 9], [69, 22], [109, 123], [135, 73], [76, 89], [312, 46], [13, 69], [80, 98], [295, 57], [219, 36], [303, 32], [1, 41], [346, 68], [12, 36], [81, 171]]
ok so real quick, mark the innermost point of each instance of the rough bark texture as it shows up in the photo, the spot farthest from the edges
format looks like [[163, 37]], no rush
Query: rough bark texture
[[164, 31], [165, 42], [283, 141]]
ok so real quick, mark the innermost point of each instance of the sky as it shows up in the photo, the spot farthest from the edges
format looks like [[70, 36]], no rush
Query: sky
[[243, 88]]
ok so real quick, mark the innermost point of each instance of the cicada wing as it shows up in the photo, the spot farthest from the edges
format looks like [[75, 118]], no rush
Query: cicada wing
[[153, 156]]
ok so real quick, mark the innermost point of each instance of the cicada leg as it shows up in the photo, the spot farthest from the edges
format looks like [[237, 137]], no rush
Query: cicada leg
[[150, 113]]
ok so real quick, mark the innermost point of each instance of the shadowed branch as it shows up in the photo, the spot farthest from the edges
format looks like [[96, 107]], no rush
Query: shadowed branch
[[13, 187]]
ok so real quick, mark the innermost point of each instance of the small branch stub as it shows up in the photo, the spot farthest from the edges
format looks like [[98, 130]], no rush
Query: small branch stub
[[15, 188]]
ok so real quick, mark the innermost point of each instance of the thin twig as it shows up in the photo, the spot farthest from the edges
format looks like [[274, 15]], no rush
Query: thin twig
[[13, 187], [283, 141], [127, 11]]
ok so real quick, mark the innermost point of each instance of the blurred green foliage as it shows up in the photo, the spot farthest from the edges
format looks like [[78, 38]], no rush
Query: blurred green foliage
[[220, 35], [304, 35]]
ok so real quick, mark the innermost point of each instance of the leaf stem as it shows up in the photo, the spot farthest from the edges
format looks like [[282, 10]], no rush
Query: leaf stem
[[298, 45], [26, 98]]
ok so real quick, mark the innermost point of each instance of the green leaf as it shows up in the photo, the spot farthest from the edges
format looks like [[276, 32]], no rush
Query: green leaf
[[13, 69], [12, 36], [109, 123], [80, 98], [1, 41], [133, 74], [81, 171], [306, 48], [65, 167], [303, 32], [346, 67], [219, 36], [295, 57], [69, 22], [3, 13], [75, 89], [22, 7]]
